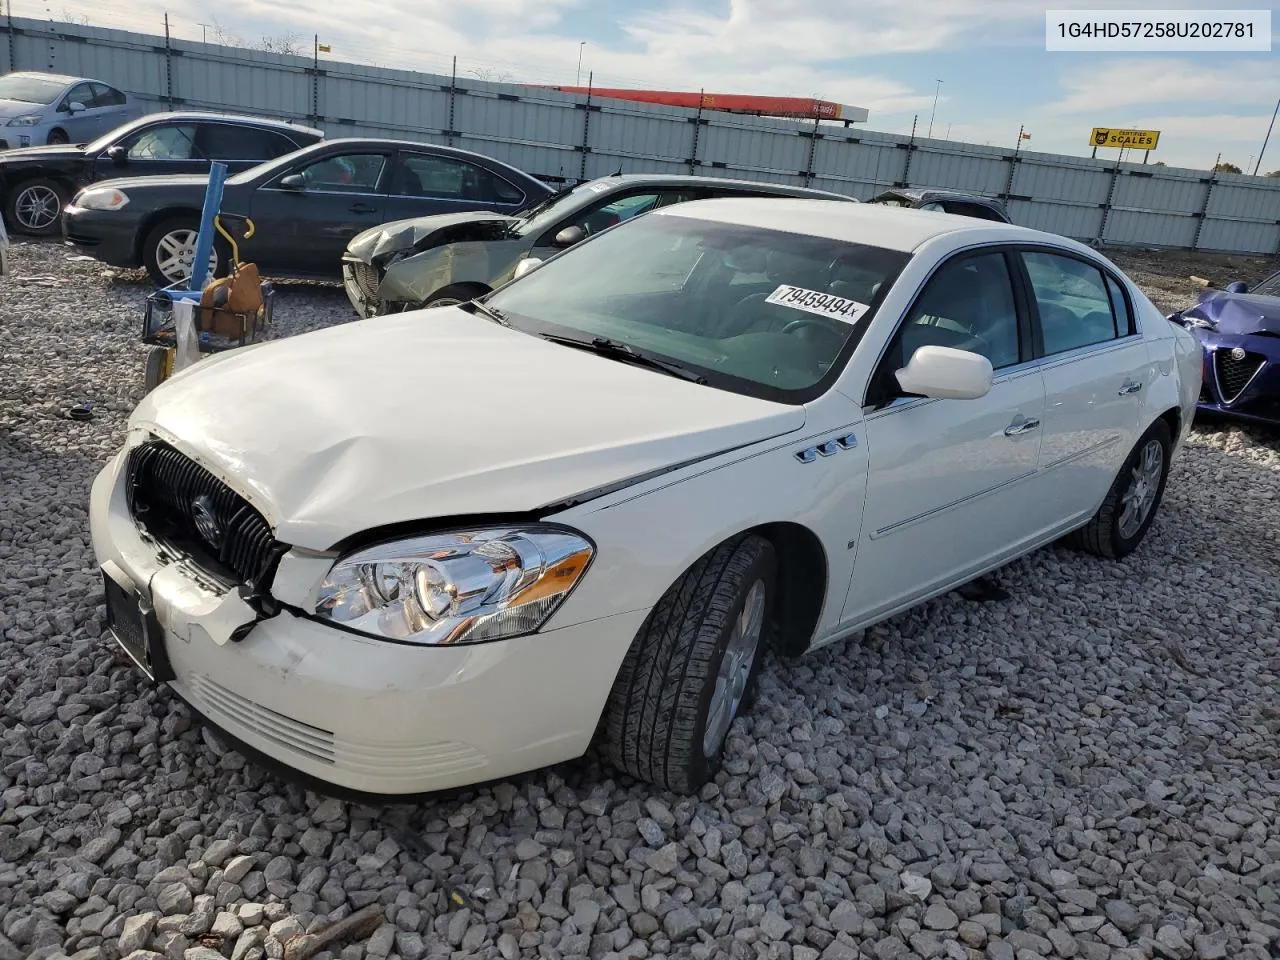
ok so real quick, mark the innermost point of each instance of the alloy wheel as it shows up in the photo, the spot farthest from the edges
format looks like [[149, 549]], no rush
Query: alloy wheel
[[37, 207], [176, 252], [735, 669], [1140, 495]]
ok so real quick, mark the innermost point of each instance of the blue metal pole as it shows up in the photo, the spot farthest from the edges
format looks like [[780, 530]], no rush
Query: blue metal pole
[[204, 240]]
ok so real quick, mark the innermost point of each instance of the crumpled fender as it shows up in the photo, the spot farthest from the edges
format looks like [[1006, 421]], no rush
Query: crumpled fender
[[416, 277]]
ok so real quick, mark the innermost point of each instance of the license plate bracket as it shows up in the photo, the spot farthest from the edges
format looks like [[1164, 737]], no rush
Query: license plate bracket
[[132, 623]]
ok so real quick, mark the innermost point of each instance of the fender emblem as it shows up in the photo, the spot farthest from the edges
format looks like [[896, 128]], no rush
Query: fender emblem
[[810, 454]]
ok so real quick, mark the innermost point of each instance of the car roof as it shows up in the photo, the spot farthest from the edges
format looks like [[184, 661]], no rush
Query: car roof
[[63, 77], [419, 145], [691, 180], [233, 117], [893, 228]]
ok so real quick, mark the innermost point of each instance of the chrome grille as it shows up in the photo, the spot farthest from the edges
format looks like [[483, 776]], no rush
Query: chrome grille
[[366, 278], [1234, 374], [186, 507]]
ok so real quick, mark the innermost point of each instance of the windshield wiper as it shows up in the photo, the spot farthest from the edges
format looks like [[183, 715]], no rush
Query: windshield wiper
[[616, 350], [497, 316]]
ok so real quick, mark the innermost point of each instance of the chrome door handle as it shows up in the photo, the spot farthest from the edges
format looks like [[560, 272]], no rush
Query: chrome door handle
[[1133, 386], [1022, 426]]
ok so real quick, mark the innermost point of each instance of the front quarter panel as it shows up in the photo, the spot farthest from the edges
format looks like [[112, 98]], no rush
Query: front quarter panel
[[648, 534]]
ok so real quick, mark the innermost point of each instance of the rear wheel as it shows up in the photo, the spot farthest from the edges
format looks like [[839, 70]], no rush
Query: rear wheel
[[692, 667], [169, 250], [1130, 506], [35, 206]]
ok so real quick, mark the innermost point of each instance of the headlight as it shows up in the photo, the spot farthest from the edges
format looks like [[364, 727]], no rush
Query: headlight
[[1203, 323], [454, 588], [101, 198], [30, 120]]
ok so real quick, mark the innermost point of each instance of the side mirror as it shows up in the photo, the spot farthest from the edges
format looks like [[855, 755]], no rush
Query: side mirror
[[293, 181], [75, 106], [569, 236], [1239, 286], [946, 374], [527, 265], [119, 155]]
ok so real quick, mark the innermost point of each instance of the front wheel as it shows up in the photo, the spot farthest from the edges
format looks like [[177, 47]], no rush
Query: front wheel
[[455, 294], [57, 136], [1130, 506], [691, 668], [35, 207]]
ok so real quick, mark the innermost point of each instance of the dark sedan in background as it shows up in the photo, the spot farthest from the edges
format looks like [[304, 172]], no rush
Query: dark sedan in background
[[945, 201], [305, 206], [1239, 329], [36, 183], [440, 260]]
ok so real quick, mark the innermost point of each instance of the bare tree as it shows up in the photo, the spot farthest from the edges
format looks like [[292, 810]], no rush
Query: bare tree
[[491, 74], [290, 43], [69, 17]]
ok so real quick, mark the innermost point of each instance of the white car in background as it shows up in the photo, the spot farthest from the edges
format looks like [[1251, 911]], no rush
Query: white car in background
[[48, 108], [446, 546]]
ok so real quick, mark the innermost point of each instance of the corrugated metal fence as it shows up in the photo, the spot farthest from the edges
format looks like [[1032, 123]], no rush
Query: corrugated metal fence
[[561, 137]]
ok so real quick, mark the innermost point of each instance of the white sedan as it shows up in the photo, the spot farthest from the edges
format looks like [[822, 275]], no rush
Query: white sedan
[[442, 547]]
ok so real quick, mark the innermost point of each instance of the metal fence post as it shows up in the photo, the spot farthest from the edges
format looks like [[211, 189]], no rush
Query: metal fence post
[[13, 58], [168, 65], [910, 147], [1204, 208], [453, 93], [697, 129], [1106, 204], [315, 80], [586, 127], [813, 149]]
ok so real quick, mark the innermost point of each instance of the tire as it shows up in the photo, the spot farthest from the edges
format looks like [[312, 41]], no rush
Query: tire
[[1111, 533], [34, 207], [656, 720], [159, 365], [161, 256], [455, 294], [57, 135]]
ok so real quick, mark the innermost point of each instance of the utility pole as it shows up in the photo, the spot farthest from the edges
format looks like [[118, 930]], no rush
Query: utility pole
[[1265, 141], [578, 79], [932, 112], [203, 31]]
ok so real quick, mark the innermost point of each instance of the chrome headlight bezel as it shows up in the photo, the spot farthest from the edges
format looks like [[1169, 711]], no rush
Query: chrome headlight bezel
[[455, 587]]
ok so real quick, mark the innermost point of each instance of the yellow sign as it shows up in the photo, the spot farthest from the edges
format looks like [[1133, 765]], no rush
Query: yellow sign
[[1133, 139]]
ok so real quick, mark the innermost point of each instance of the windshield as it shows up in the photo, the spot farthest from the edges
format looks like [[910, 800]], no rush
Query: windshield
[[1269, 287], [27, 89], [545, 214], [769, 314], [272, 167]]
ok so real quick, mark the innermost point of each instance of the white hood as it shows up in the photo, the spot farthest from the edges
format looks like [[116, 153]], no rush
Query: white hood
[[435, 414]]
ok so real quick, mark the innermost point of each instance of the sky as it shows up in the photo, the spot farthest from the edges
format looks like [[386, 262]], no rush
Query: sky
[[884, 55]]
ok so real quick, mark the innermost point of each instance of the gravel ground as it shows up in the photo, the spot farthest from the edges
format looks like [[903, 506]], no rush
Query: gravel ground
[[1089, 769]]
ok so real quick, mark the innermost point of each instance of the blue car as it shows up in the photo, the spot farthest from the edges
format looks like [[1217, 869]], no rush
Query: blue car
[[1239, 329], [43, 108]]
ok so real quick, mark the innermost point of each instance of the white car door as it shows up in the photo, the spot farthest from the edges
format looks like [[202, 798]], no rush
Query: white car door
[[948, 478], [1096, 368]]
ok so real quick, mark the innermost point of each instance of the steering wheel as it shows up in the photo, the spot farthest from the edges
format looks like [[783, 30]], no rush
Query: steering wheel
[[802, 322]]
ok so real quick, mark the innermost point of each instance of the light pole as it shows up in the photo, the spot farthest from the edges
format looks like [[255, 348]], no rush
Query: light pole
[[1267, 138], [936, 91], [578, 79]]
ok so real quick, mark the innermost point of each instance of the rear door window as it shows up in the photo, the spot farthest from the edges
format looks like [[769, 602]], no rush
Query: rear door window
[[226, 141], [1076, 309]]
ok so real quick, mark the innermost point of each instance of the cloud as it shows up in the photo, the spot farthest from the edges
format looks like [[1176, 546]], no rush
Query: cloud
[[1142, 82]]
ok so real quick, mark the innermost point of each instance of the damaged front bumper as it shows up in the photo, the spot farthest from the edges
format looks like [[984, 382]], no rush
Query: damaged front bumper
[[361, 714], [361, 282]]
